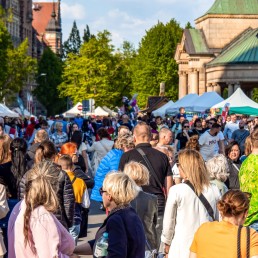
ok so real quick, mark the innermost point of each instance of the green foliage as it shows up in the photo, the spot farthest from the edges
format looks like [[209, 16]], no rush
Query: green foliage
[[154, 62], [189, 26], [73, 43], [16, 66], [49, 77], [255, 95], [96, 73], [86, 34]]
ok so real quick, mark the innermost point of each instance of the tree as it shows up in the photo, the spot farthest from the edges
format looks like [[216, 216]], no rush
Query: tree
[[189, 26], [49, 77], [73, 43], [155, 63], [16, 68], [255, 95], [95, 73], [86, 34]]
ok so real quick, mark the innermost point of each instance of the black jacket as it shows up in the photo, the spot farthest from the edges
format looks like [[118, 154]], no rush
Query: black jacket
[[80, 174], [65, 197], [146, 207], [30, 154]]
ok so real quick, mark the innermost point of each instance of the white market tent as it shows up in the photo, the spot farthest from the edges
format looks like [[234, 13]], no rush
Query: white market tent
[[74, 111], [25, 112], [162, 110], [99, 111], [110, 112], [187, 102], [5, 111], [206, 101], [239, 104]]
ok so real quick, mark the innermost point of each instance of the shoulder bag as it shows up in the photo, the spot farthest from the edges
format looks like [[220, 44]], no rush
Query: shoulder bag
[[152, 171], [203, 200], [247, 242]]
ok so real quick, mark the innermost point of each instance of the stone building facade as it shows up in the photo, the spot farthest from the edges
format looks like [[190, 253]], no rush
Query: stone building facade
[[221, 52]]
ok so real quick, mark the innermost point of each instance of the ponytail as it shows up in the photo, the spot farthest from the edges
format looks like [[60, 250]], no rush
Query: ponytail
[[46, 150]]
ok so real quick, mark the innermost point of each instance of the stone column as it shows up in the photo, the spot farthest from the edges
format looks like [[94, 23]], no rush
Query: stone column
[[217, 88], [236, 86], [195, 81], [230, 89], [182, 84]]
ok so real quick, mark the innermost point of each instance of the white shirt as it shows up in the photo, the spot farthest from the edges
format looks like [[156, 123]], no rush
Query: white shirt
[[208, 143], [221, 138], [230, 128], [184, 213]]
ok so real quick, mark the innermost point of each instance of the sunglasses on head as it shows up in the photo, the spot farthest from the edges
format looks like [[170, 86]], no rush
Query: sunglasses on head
[[186, 126]]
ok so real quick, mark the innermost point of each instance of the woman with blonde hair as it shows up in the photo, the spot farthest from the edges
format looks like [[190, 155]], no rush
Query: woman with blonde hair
[[125, 231], [145, 204], [185, 210], [218, 169], [46, 151], [227, 238], [32, 219]]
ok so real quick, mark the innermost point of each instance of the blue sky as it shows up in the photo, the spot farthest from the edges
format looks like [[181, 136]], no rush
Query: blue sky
[[128, 19]]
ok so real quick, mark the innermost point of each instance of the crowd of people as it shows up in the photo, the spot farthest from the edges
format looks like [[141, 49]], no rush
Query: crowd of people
[[170, 187]]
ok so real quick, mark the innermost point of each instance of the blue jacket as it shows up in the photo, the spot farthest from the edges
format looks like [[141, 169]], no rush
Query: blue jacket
[[108, 163]]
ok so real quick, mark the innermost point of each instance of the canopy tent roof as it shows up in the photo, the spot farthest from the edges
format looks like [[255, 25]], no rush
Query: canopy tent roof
[[206, 101], [99, 111], [162, 110], [5, 111], [25, 112], [74, 111], [187, 102], [239, 104], [110, 112]]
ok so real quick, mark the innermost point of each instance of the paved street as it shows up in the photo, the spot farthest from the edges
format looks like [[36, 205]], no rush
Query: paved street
[[96, 217]]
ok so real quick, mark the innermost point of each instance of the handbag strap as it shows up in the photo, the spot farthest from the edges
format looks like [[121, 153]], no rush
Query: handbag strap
[[73, 179], [203, 200], [150, 167], [239, 242]]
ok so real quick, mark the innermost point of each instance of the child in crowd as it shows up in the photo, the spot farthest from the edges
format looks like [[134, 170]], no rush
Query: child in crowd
[[80, 193]]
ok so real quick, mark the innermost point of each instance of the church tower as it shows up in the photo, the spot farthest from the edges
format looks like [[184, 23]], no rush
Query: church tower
[[53, 33]]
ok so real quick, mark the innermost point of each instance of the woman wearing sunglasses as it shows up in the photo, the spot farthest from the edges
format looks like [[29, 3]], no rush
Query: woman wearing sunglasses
[[125, 230], [227, 238], [183, 137]]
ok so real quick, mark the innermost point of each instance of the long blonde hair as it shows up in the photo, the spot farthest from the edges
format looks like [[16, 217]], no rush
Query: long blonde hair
[[40, 189], [193, 166]]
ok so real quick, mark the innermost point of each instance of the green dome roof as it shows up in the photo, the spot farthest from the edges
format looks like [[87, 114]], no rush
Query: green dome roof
[[234, 7], [243, 51]]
